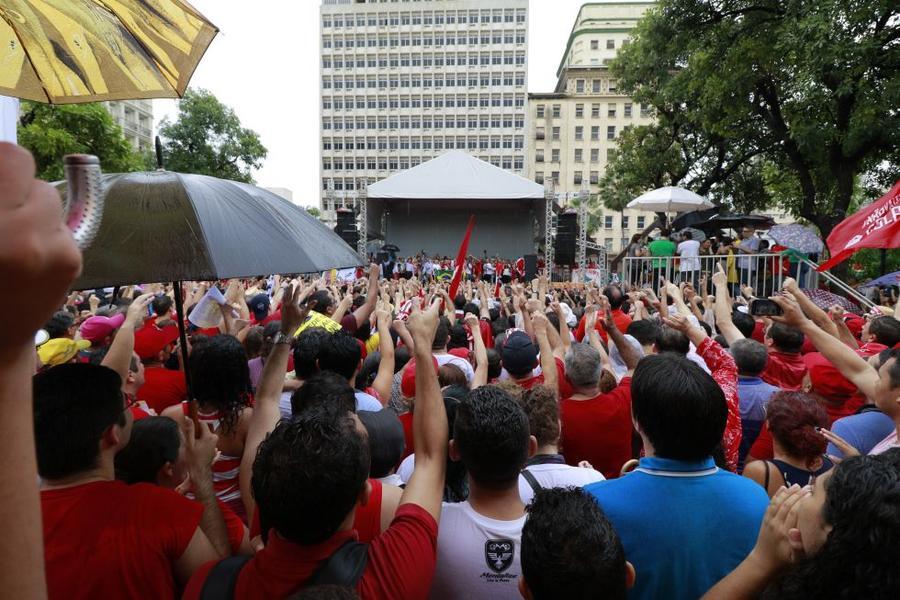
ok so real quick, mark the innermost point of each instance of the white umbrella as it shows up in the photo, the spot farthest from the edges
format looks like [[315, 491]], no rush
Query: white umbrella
[[670, 199]]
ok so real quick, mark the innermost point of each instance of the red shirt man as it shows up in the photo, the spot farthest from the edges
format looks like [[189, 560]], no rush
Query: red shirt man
[[162, 387], [598, 430], [785, 368]]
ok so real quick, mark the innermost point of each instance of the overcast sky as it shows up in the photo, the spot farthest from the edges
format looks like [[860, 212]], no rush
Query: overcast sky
[[264, 64]]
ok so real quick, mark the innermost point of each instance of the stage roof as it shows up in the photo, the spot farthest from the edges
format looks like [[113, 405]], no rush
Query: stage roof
[[455, 175]]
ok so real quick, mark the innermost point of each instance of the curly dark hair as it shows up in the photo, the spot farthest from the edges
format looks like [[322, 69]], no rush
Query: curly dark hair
[[793, 418], [542, 409], [220, 378], [859, 557], [570, 549]]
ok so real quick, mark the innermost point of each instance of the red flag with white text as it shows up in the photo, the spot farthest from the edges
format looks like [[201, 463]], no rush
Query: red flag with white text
[[874, 226]]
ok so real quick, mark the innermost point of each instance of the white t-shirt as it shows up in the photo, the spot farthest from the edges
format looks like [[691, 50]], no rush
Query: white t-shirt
[[364, 401], [689, 251], [557, 476], [406, 468], [477, 557], [464, 365], [489, 268], [428, 268]]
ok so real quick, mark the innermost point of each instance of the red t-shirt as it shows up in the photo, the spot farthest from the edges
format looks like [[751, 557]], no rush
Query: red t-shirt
[[400, 564], [107, 539], [785, 370], [406, 419], [565, 388], [621, 320], [366, 521], [235, 526], [162, 388], [598, 430]]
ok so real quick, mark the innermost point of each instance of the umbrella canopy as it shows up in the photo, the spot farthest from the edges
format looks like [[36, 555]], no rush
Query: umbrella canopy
[[696, 234], [164, 226], [731, 221], [825, 300], [390, 248], [797, 237], [670, 199], [68, 51], [692, 218], [884, 280]]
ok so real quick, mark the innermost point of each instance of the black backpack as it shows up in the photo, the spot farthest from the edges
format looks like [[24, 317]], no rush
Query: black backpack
[[345, 567]]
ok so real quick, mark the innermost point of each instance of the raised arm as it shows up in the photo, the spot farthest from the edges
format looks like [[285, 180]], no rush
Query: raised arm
[[593, 337], [630, 356], [548, 360], [430, 429], [722, 307], [118, 358], [816, 314], [481, 359], [266, 411], [565, 338], [363, 313], [385, 376], [200, 454], [848, 362]]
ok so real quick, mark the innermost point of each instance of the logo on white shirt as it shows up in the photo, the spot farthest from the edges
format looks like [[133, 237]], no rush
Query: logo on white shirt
[[498, 554]]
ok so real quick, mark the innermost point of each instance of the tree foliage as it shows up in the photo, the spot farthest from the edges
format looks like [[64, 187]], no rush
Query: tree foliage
[[50, 132], [207, 138], [758, 101]]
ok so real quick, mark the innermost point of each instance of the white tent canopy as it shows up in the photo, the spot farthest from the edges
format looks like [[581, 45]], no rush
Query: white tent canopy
[[455, 175], [670, 199]]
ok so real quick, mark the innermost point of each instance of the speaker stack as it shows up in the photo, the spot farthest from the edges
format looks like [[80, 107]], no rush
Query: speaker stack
[[566, 236], [346, 227]]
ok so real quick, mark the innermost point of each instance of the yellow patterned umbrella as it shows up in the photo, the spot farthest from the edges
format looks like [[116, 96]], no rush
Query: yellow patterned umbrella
[[68, 51]]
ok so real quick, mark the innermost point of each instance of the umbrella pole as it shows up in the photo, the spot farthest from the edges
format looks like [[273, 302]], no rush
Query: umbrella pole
[[182, 339]]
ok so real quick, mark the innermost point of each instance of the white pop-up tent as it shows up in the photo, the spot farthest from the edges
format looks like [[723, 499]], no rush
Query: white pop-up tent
[[427, 208]]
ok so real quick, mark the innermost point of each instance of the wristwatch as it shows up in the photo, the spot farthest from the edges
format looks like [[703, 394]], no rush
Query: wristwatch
[[282, 338]]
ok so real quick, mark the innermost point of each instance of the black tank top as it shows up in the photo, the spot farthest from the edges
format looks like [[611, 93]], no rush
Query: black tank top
[[792, 474]]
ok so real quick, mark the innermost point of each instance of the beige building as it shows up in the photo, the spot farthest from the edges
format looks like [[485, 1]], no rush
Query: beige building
[[573, 130], [135, 117]]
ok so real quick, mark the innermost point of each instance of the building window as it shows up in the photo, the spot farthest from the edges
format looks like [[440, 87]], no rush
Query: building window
[[595, 132], [595, 177], [610, 44], [624, 221], [554, 155], [539, 177], [556, 133], [579, 111], [577, 178], [595, 155], [611, 132], [578, 155], [595, 45], [579, 132], [640, 223], [607, 222], [645, 110], [579, 86], [595, 86], [556, 110], [539, 156], [611, 110], [595, 111], [627, 111]]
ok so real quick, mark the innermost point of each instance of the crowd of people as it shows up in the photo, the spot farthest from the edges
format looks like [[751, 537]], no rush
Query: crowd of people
[[393, 438]]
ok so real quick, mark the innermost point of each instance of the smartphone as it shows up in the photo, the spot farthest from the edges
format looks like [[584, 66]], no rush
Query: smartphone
[[763, 307]]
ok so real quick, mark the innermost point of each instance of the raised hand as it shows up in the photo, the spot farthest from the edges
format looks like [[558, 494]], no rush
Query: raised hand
[[422, 324], [793, 314], [137, 310], [719, 277], [294, 308]]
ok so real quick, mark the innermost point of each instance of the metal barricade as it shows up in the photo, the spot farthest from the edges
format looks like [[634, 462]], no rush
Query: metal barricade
[[765, 273]]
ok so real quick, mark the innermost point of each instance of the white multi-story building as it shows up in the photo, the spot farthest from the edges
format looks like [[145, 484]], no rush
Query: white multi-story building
[[135, 117], [573, 130], [403, 81]]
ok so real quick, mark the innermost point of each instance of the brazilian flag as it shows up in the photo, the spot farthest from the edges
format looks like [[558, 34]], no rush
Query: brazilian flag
[[443, 274]]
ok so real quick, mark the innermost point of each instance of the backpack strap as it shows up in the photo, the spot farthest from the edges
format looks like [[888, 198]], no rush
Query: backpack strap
[[222, 578], [532, 481], [345, 567]]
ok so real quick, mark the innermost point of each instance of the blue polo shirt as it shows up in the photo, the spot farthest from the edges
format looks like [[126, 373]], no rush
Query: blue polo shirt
[[684, 525]]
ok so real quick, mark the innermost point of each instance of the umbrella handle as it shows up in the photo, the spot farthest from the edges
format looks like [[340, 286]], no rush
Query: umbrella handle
[[83, 208]]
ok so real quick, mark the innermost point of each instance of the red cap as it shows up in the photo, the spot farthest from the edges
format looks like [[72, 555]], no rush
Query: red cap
[[408, 380], [855, 324], [462, 353], [826, 380], [150, 341]]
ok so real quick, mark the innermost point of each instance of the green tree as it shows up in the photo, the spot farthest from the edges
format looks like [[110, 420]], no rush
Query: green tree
[[50, 132], [799, 96], [314, 211], [207, 138]]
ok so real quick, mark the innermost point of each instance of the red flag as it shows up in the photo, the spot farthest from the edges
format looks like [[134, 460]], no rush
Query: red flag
[[873, 226], [497, 289], [461, 259]]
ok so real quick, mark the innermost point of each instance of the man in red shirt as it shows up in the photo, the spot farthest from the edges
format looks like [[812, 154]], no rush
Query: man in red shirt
[[785, 368], [310, 476], [162, 387], [616, 299], [597, 427], [103, 538]]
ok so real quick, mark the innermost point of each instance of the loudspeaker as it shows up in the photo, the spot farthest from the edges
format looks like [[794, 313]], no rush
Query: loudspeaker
[[530, 266], [566, 234], [346, 227]]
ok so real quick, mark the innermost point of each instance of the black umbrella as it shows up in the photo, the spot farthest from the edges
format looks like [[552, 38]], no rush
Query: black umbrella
[[163, 226], [732, 221], [390, 248], [691, 219]]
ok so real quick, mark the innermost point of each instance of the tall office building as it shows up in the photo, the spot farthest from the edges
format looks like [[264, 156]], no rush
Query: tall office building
[[573, 130], [135, 117], [403, 81]]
